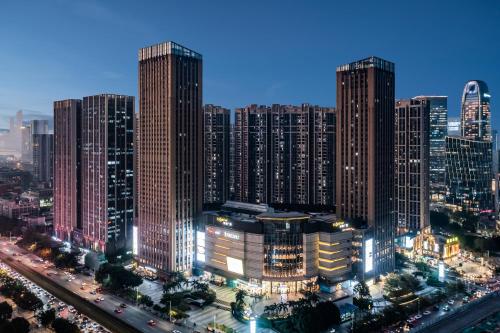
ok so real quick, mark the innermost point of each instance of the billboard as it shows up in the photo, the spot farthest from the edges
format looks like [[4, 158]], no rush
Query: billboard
[[200, 246], [235, 265], [368, 255]]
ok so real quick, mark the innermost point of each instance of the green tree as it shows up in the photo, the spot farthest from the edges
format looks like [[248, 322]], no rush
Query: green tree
[[240, 299], [28, 301], [362, 298], [47, 317], [61, 325], [5, 311], [117, 278], [439, 220], [146, 300], [20, 325]]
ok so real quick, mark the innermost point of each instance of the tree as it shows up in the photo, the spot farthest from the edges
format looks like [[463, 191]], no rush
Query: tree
[[47, 317], [5, 311], [401, 260], [146, 300], [240, 299], [439, 220], [117, 277], [61, 325], [28, 301], [362, 299], [20, 325]]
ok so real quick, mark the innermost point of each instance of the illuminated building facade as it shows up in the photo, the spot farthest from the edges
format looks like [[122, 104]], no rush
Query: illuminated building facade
[[43, 157], [170, 155], [365, 152], [411, 148], [285, 154], [469, 174], [436, 246], [475, 116], [216, 144], [275, 251], [469, 158], [107, 202], [438, 130], [67, 158]]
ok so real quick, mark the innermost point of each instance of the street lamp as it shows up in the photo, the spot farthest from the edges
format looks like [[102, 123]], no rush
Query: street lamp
[[215, 315]]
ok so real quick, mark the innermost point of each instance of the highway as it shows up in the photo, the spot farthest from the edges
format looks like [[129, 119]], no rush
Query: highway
[[469, 316], [132, 320]]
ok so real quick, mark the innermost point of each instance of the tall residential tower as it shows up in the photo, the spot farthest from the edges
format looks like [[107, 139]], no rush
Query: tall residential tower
[[216, 152], [107, 173], [365, 154], [170, 155], [67, 180], [411, 149]]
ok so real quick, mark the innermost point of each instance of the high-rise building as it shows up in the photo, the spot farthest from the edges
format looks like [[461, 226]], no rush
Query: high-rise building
[[40, 126], [438, 130], [469, 158], [216, 153], [67, 145], [469, 174], [170, 160], [411, 149], [475, 115], [107, 173], [43, 157], [454, 126], [26, 143], [365, 155], [285, 154], [252, 154]]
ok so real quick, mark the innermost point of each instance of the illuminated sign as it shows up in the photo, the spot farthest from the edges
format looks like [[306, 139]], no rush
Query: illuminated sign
[[224, 221], [213, 231], [436, 247], [200, 246], [231, 235], [452, 240], [235, 265], [368, 255], [441, 271], [135, 246]]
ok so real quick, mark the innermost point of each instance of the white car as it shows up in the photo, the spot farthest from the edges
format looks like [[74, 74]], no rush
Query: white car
[[451, 302]]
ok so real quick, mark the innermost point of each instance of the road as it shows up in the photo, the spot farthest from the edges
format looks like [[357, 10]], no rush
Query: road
[[467, 317], [133, 319]]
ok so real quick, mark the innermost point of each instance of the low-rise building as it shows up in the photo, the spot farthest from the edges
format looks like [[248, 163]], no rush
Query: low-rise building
[[15, 209], [267, 251]]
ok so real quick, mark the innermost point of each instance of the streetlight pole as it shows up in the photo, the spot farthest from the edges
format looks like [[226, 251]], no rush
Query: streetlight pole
[[214, 321], [170, 311]]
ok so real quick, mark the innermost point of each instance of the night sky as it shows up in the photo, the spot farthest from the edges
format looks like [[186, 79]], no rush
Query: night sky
[[254, 51]]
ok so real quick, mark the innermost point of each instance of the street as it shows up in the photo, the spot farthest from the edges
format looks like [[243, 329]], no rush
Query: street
[[133, 319]]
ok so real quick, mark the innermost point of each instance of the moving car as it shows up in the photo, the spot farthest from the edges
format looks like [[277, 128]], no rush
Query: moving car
[[152, 323]]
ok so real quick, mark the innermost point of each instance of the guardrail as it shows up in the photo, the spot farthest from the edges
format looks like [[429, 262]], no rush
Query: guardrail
[[425, 326]]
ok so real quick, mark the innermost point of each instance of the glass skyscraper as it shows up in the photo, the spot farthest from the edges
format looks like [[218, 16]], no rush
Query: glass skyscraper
[[438, 130], [469, 158], [475, 116]]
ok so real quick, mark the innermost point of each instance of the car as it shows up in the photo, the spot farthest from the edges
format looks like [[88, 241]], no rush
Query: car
[[123, 305], [92, 292], [177, 331], [417, 317], [152, 323], [61, 304], [426, 313], [451, 302], [101, 298], [118, 310], [97, 300], [446, 308]]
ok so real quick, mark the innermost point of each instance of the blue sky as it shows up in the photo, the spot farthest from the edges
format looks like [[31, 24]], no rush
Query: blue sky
[[254, 51]]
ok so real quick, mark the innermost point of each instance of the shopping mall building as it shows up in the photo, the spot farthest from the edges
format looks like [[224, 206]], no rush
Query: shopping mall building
[[265, 251]]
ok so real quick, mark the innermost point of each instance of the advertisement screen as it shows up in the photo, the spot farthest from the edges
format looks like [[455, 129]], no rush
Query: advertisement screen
[[368, 255], [235, 265], [135, 248], [200, 246]]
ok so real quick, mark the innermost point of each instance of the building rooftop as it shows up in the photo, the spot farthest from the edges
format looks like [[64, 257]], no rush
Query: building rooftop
[[166, 48], [371, 62]]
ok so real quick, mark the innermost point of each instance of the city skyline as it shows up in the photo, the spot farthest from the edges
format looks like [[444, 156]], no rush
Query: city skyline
[[287, 73]]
